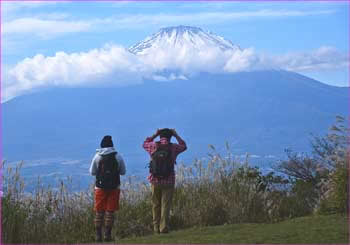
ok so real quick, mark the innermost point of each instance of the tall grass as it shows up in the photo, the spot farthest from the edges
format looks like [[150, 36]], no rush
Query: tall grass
[[220, 190], [46, 215]]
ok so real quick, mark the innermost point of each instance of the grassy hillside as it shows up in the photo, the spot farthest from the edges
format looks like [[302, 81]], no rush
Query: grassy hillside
[[222, 200], [330, 229]]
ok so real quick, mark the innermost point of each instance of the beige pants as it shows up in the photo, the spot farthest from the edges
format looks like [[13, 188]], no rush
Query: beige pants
[[161, 203]]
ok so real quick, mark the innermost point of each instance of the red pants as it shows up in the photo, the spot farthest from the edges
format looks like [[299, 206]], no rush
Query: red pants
[[107, 200]]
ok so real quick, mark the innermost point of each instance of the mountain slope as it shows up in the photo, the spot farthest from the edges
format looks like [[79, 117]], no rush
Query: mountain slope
[[258, 112]]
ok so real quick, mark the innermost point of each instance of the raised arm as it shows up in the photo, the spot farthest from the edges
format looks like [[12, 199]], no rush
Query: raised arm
[[181, 146], [149, 145]]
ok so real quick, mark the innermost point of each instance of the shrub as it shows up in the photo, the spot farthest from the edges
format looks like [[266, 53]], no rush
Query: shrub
[[340, 185], [321, 180], [333, 152]]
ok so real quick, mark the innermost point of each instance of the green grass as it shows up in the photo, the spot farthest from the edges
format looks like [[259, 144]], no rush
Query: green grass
[[330, 229]]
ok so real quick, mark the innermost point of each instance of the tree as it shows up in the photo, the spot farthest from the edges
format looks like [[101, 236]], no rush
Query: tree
[[326, 171]]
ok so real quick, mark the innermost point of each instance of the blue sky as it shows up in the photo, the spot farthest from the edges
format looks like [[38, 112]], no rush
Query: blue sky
[[307, 37]]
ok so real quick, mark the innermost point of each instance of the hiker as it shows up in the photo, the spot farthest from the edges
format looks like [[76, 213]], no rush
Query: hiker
[[162, 174], [107, 165]]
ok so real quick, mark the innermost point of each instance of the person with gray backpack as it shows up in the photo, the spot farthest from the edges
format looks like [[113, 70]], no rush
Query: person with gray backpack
[[163, 155], [107, 165]]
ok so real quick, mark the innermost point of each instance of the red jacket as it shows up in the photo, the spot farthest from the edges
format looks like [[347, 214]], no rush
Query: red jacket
[[150, 146]]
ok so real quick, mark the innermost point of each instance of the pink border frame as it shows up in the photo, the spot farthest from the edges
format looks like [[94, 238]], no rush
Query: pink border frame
[[174, 0], [1, 174], [1, 156]]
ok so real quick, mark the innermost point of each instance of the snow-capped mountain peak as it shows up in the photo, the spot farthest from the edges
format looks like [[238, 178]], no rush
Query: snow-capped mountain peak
[[180, 37]]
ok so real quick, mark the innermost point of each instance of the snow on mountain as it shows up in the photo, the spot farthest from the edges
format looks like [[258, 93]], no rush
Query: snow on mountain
[[182, 37], [182, 51]]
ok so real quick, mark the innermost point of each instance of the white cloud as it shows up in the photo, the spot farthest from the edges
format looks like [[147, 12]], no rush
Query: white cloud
[[243, 60], [113, 65], [109, 66], [188, 60], [169, 78], [325, 58], [50, 25], [38, 19], [14, 6], [137, 20], [44, 28]]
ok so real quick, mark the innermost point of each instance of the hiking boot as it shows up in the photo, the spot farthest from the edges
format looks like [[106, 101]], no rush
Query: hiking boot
[[108, 234], [156, 229], [164, 231]]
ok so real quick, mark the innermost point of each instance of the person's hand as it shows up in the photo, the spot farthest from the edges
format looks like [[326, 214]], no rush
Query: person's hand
[[174, 132], [156, 133]]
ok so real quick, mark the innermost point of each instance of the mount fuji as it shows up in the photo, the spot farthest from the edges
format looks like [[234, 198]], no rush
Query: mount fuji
[[182, 39], [56, 131], [180, 52]]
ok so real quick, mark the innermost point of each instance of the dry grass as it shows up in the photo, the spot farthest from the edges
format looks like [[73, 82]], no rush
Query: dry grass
[[221, 190]]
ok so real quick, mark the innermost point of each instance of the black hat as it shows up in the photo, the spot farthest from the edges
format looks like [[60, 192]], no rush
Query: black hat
[[107, 141], [165, 133]]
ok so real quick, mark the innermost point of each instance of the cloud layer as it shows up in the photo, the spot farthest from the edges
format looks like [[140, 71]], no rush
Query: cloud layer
[[40, 25], [44, 28], [323, 58], [111, 65], [114, 65]]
